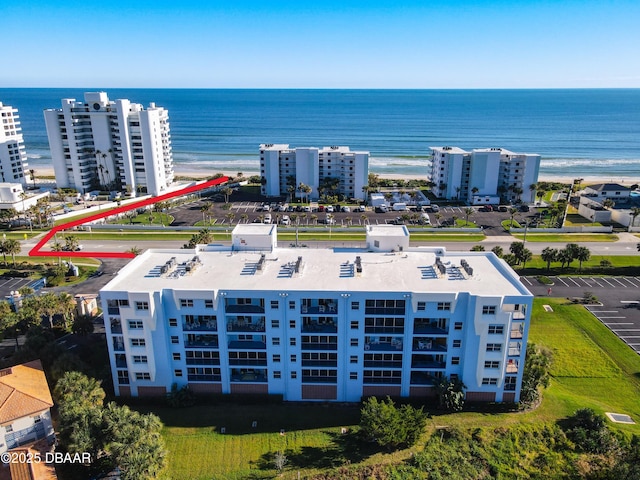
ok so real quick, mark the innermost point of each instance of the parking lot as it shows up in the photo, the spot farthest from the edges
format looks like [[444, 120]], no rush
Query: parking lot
[[9, 284], [619, 297], [251, 211]]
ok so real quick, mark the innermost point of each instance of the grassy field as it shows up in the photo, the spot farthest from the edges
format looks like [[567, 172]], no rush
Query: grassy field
[[591, 368], [568, 237]]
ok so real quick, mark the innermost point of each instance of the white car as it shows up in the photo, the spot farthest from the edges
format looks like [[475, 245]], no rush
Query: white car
[[329, 209], [346, 209], [424, 219], [267, 218], [285, 220]]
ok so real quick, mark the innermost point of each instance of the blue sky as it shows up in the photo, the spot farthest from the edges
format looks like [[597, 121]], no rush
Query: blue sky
[[321, 44]]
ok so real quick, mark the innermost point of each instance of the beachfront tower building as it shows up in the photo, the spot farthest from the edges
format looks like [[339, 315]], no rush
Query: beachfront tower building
[[484, 176], [329, 170], [13, 158], [110, 145], [319, 324]]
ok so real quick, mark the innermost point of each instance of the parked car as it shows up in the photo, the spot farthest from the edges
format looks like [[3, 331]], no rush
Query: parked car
[[307, 208], [424, 219], [321, 208], [503, 208], [291, 208], [267, 218], [345, 209], [382, 209], [285, 220], [329, 209], [524, 208], [361, 208], [435, 207], [266, 208]]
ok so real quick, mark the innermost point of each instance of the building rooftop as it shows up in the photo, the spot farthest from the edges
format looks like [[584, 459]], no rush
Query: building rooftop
[[608, 187], [387, 230], [449, 150], [23, 391], [290, 269]]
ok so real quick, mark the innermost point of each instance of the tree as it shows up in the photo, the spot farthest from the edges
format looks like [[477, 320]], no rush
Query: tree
[[226, 191], [12, 247], [512, 213], [32, 172], [391, 427], [477, 248], [498, 251], [588, 430], [582, 255], [535, 375], [135, 250], [280, 461], [71, 243], [517, 250], [608, 203], [572, 252], [305, 190], [635, 211], [450, 394], [467, 213], [549, 255]]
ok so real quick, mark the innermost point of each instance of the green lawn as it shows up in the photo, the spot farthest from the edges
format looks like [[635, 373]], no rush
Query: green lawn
[[506, 224], [591, 368], [157, 218], [568, 237]]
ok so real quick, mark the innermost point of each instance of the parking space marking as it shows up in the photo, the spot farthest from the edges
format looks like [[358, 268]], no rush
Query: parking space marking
[[598, 283], [577, 284], [527, 280], [630, 281], [586, 280], [615, 279], [607, 317], [608, 282], [560, 280], [617, 323]]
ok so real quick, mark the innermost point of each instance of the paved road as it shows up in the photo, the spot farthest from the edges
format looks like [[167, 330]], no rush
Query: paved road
[[617, 295]]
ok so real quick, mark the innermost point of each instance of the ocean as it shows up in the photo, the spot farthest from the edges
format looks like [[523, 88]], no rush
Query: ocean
[[578, 133]]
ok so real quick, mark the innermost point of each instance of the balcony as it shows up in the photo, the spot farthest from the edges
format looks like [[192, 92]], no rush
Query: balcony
[[319, 363], [319, 379], [423, 378], [319, 325], [209, 325], [203, 361], [245, 324], [383, 344], [201, 341], [251, 342], [244, 308], [517, 331], [121, 361], [320, 345], [193, 377], [429, 328], [319, 306], [384, 311], [429, 344], [512, 366], [384, 329], [514, 349], [427, 361], [383, 363], [118, 344], [113, 310], [248, 375], [382, 380], [116, 326]]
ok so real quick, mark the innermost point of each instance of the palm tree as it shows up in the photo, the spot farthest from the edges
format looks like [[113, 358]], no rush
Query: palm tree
[[226, 191], [532, 188], [635, 211], [582, 255], [66, 307], [549, 255], [363, 219], [3, 250], [244, 217], [467, 213], [512, 213], [56, 247], [205, 208], [458, 193], [498, 251], [608, 203], [388, 197], [438, 217], [32, 172], [230, 216], [71, 243], [291, 189], [135, 250], [12, 247], [314, 218], [475, 190], [23, 197]]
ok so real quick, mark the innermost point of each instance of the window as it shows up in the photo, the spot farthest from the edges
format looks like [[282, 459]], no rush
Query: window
[[355, 305], [277, 374], [185, 302], [494, 347], [489, 381], [491, 364], [123, 377], [444, 305], [292, 324], [123, 303], [294, 375], [355, 324], [293, 359], [455, 360], [275, 304], [275, 323], [173, 322], [292, 304], [143, 376], [175, 339], [275, 341], [489, 310], [453, 377], [142, 305], [422, 305], [177, 372], [292, 341], [8, 428], [208, 304], [354, 342], [139, 359], [276, 358], [496, 329], [353, 375], [353, 359], [510, 383], [457, 326], [138, 342], [176, 356], [135, 325], [457, 343]]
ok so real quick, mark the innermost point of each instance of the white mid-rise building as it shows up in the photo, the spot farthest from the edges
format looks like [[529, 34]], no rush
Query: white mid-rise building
[[327, 169], [484, 175], [113, 145], [317, 324], [13, 158]]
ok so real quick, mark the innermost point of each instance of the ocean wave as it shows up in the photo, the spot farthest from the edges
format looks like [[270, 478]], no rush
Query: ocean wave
[[589, 162], [33, 156]]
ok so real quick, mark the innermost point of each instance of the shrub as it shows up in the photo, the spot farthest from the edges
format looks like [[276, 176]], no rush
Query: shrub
[[391, 427], [450, 394], [588, 430], [535, 375]]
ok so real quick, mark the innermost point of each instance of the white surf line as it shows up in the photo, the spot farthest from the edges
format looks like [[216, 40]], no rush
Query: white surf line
[[526, 280], [615, 279], [608, 282], [577, 284], [559, 279]]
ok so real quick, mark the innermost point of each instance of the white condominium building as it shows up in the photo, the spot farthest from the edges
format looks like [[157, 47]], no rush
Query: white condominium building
[[336, 169], [317, 324], [484, 175], [13, 158], [112, 145]]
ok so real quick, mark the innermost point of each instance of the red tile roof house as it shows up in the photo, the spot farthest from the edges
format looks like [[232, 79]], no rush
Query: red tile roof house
[[25, 402]]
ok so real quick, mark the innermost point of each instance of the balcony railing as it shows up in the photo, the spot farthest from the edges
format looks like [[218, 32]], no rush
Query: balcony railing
[[235, 308], [318, 379], [383, 330], [394, 345], [113, 310], [428, 345], [259, 362], [429, 329], [383, 363], [210, 326], [382, 381], [320, 326], [248, 377], [427, 363], [204, 378], [330, 308], [202, 341], [319, 363], [246, 345], [203, 361], [245, 326], [116, 327], [319, 346], [384, 311], [420, 378]]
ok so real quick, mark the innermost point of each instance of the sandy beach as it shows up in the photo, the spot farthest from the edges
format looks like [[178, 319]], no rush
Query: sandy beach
[[196, 174]]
